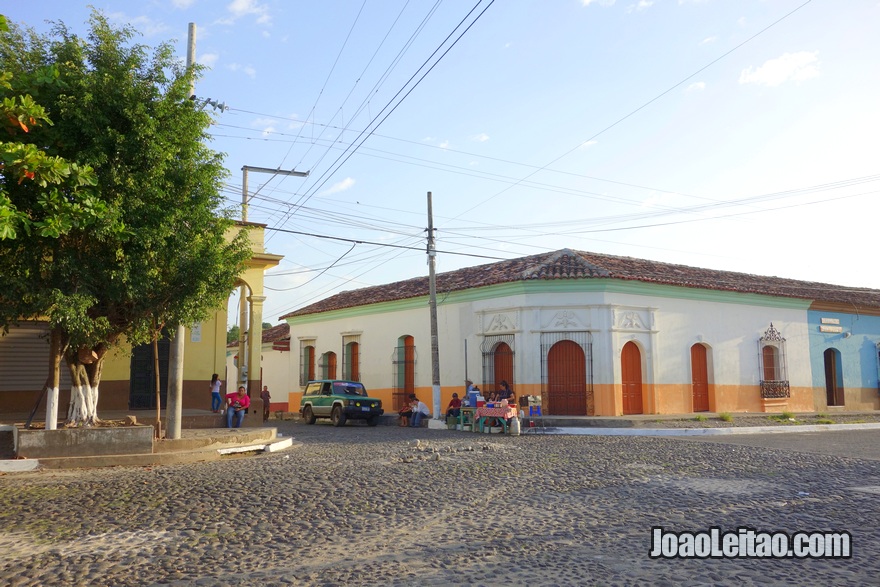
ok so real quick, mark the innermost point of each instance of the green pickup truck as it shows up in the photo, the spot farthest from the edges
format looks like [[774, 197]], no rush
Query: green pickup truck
[[340, 401]]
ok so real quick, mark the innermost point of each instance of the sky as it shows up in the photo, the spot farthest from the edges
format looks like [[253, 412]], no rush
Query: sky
[[737, 135]]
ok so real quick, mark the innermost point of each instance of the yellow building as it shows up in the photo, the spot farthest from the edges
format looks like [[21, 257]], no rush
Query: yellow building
[[128, 378]]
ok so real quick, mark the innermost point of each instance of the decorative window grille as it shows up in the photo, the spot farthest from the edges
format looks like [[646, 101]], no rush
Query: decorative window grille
[[306, 360], [498, 361], [351, 357], [403, 370], [773, 365], [327, 365]]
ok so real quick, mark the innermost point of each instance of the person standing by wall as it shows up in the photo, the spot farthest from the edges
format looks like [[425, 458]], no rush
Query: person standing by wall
[[216, 399], [264, 395]]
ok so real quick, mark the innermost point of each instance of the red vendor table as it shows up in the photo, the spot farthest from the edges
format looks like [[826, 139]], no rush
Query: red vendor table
[[484, 415]]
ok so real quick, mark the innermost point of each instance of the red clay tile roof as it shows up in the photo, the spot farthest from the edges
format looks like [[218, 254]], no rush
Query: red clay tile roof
[[274, 334], [569, 264]]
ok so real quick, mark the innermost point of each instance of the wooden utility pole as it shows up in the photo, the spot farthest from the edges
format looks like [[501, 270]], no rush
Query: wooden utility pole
[[432, 281]]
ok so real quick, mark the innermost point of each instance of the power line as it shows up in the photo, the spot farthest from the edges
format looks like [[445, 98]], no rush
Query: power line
[[643, 106], [363, 242], [376, 122]]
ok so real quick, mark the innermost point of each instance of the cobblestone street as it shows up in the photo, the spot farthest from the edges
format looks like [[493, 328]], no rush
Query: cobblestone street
[[366, 506]]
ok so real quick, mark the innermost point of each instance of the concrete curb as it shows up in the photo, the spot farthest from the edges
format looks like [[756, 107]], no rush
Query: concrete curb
[[708, 431], [18, 465], [142, 460]]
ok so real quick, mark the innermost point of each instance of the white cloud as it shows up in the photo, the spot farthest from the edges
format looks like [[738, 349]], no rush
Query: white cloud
[[708, 40], [182, 3], [146, 25], [797, 67], [444, 145], [599, 2], [340, 186], [239, 8], [268, 130], [587, 144], [641, 5], [480, 138], [209, 59], [696, 87], [247, 69]]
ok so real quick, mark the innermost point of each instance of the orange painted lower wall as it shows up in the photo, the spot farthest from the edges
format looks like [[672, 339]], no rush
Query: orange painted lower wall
[[855, 399]]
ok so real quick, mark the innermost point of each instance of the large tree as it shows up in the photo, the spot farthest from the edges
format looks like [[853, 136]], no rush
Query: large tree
[[162, 254]]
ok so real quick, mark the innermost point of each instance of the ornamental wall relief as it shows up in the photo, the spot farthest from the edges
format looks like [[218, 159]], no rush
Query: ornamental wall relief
[[629, 320], [566, 320], [501, 323]]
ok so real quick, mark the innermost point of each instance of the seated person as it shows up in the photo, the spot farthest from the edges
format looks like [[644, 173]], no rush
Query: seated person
[[406, 411], [238, 404], [420, 411], [454, 407]]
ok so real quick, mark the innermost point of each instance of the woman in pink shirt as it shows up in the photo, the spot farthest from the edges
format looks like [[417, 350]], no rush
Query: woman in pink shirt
[[237, 403]]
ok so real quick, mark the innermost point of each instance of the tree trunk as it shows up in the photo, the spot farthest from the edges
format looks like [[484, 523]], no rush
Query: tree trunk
[[84, 380], [57, 347]]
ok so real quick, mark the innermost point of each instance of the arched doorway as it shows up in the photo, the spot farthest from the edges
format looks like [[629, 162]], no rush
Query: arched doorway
[[566, 379], [503, 365], [631, 378], [404, 371], [700, 378], [833, 378]]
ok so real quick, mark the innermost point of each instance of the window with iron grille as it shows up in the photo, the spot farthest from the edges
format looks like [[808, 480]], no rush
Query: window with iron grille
[[351, 357], [306, 360], [498, 361], [403, 365], [772, 363], [327, 365]]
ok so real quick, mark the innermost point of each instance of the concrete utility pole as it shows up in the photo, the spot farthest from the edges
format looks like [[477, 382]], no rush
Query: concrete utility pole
[[432, 281], [174, 411], [254, 331]]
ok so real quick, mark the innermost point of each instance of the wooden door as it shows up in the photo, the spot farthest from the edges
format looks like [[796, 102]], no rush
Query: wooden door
[[566, 379], [631, 378], [142, 384], [833, 386], [700, 378], [503, 363]]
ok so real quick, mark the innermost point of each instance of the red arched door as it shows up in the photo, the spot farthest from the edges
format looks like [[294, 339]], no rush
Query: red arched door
[[700, 378], [503, 361], [631, 377], [566, 379]]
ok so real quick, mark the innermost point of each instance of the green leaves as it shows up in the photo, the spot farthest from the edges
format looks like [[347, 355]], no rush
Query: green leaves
[[110, 218]]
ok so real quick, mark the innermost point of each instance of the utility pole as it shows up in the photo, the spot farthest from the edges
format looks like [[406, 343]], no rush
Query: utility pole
[[254, 331], [174, 411], [432, 281]]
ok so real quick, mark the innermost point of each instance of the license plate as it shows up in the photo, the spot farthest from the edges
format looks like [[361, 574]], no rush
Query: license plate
[[365, 409]]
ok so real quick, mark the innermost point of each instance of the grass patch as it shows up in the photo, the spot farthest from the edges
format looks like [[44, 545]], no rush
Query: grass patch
[[782, 417], [700, 418], [725, 417], [824, 421]]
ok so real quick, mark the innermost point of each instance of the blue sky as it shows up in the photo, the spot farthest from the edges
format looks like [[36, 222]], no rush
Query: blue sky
[[729, 134]]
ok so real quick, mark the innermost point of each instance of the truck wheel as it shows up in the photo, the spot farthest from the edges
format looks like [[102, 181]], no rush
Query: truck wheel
[[337, 417], [308, 416]]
